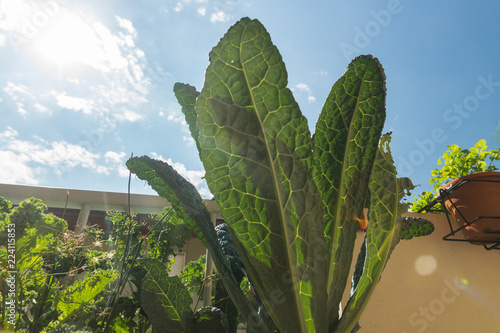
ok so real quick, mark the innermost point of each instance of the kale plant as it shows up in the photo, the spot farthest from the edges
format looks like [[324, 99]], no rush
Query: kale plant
[[291, 200]]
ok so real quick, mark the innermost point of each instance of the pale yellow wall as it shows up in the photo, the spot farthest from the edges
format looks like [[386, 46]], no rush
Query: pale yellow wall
[[194, 249], [436, 286]]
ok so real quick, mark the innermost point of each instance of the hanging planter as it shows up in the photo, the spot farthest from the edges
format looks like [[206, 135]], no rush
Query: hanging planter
[[474, 203]]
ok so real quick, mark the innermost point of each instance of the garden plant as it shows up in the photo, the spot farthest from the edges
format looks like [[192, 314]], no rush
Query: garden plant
[[457, 162], [291, 201], [63, 281], [50, 272]]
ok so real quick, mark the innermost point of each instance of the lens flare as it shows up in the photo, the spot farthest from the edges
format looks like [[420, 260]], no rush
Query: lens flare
[[426, 265]]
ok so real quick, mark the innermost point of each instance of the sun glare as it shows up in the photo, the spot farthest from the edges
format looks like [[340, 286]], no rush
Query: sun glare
[[68, 41]]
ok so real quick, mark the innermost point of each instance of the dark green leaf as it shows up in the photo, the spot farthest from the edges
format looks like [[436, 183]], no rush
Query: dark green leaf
[[188, 204], [165, 300], [383, 232], [168, 184], [84, 291], [186, 96], [210, 320], [256, 149], [222, 299], [345, 144]]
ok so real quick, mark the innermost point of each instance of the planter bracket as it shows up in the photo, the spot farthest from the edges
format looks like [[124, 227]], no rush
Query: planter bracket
[[490, 239]]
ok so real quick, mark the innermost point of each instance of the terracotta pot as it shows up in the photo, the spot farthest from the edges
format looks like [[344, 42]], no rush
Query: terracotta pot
[[474, 199]]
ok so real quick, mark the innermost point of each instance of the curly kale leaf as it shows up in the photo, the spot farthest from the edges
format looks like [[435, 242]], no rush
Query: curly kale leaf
[[415, 227]]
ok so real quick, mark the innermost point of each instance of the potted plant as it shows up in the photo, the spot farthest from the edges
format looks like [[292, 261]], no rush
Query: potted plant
[[473, 201], [470, 193]]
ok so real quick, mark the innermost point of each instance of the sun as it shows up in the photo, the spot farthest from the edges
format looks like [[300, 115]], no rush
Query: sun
[[68, 41]]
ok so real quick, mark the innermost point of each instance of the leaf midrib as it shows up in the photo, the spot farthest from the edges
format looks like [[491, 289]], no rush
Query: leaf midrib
[[275, 188], [170, 305], [341, 184], [383, 260]]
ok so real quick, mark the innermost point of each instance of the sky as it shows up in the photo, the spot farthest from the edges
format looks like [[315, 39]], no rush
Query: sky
[[84, 84]]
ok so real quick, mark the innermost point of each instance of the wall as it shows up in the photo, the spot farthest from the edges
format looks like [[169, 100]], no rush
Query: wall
[[431, 285]]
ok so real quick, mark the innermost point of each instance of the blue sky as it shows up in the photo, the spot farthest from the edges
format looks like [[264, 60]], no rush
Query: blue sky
[[83, 84]]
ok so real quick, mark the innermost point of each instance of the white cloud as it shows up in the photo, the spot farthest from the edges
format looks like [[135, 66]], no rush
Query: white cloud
[[127, 115], [57, 154], [21, 155], [111, 156], [116, 75], [74, 103], [25, 161], [302, 87], [21, 110], [19, 93], [127, 25], [174, 114], [176, 118], [180, 5], [14, 90], [116, 161], [202, 11], [74, 81], [13, 169], [189, 140], [200, 6], [13, 13], [8, 133], [41, 109], [220, 16]]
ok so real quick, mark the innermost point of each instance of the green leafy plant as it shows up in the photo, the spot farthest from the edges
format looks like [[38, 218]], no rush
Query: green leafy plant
[[67, 282], [457, 162], [134, 256], [291, 201], [47, 260]]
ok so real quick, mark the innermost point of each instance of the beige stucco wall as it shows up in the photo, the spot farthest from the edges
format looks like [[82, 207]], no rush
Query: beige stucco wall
[[431, 285]]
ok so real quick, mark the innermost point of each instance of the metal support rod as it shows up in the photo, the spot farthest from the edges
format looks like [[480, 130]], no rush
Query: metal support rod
[[207, 291]]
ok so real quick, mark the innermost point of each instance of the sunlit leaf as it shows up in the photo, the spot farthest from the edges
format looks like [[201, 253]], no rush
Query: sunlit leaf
[[165, 299], [256, 150], [345, 144], [383, 233], [188, 204]]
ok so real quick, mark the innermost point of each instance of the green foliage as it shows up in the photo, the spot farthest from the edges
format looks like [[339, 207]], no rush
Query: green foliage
[[210, 319], [48, 258], [457, 162], [415, 227], [222, 299], [291, 202], [171, 236], [193, 274], [187, 203], [83, 291], [68, 283], [164, 298], [164, 239]]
